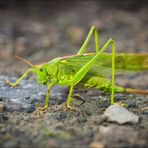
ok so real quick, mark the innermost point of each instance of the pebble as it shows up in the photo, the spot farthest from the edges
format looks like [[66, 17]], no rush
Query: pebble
[[96, 120], [2, 107], [104, 104], [117, 113], [3, 117], [96, 145]]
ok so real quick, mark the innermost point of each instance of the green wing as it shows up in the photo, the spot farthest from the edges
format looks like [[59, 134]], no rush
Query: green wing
[[102, 67], [129, 62]]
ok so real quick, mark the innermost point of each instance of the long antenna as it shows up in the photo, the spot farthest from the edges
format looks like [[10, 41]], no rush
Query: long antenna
[[22, 59]]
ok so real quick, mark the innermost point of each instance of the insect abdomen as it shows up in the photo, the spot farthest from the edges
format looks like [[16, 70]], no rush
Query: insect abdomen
[[103, 84], [98, 82]]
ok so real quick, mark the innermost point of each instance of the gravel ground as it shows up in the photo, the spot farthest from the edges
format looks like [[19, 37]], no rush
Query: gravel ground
[[60, 127], [40, 36]]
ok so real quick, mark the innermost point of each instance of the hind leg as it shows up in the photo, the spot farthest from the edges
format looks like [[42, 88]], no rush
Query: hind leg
[[93, 31], [82, 72]]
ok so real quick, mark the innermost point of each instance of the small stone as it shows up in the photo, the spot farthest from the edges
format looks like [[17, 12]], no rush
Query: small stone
[[104, 104], [2, 107], [144, 108], [131, 104], [117, 113], [96, 145], [96, 120], [3, 117]]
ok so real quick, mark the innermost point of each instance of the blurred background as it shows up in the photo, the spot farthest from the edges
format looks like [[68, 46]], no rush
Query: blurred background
[[41, 30]]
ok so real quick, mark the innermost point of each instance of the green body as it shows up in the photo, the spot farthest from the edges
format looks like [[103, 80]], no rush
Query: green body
[[63, 69], [91, 70]]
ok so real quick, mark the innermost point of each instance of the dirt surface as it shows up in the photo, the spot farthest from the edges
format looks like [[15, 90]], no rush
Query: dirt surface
[[21, 126], [40, 36]]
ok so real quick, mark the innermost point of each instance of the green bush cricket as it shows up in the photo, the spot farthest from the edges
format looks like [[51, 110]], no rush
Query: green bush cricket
[[88, 69]]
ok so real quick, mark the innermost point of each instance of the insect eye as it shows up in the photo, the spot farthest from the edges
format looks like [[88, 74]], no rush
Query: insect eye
[[41, 69]]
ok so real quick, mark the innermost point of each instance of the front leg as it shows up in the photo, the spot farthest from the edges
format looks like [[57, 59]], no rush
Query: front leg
[[48, 94], [69, 98], [41, 110], [47, 98], [21, 78]]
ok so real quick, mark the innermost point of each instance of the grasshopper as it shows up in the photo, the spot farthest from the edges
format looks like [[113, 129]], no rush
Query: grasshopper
[[88, 69]]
